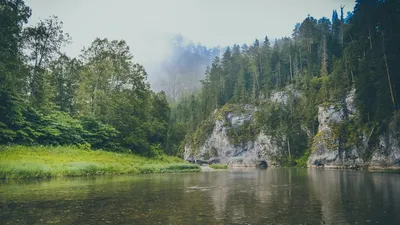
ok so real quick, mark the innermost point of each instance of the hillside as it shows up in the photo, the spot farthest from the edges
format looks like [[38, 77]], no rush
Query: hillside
[[324, 97]]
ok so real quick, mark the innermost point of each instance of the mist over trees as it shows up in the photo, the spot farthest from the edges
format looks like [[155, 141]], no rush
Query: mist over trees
[[183, 68]]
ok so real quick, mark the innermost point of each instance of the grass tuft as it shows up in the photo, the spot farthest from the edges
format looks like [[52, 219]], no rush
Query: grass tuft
[[219, 166]]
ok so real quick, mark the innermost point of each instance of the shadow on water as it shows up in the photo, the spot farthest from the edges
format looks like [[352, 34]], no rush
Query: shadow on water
[[240, 196]]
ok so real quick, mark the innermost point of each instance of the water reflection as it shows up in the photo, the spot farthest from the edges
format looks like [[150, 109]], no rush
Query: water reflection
[[358, 197], [272, 196]]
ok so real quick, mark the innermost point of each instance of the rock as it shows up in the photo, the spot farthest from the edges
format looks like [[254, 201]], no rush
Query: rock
[[328, 115], [262, 164], [218, 147], [350, 103], [187, 153], [191, 159], [284, 95], [326, 148], [265, 150], [328, 154], [388, 152], [201, 162], [214, 161], [241, 119]]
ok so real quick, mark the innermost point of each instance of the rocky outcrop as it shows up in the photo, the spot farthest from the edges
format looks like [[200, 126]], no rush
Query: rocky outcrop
[[328, 150], [223, 142], [261, 151], [387, 154], [326, 147], [284, 95]]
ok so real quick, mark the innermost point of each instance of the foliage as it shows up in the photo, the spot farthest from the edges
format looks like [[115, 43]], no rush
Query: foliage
[[302, 161], [99, 100], [22, 124], [202, 133]]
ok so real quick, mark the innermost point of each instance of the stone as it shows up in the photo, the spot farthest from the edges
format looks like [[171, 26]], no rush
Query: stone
[[191, 159]]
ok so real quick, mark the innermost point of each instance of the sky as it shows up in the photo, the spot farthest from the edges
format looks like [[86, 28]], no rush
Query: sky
[[147, 24]]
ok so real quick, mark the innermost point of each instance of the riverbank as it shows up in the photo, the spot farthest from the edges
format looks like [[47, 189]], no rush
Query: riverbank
[[21, 162], [390, 169]]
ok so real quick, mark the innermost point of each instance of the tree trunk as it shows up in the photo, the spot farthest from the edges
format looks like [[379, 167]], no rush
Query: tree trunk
[[387, 72], [291, 68]]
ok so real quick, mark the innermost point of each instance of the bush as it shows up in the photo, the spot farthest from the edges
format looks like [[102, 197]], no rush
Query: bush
[[302, 161], [21, 124]]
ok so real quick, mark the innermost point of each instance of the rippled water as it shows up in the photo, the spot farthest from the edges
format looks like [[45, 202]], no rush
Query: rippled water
[[272, 196]]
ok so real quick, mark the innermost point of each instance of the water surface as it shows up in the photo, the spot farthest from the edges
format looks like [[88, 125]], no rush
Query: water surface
[[272, 196]]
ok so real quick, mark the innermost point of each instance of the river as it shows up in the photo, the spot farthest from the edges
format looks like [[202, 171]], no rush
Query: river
[[241, 196]]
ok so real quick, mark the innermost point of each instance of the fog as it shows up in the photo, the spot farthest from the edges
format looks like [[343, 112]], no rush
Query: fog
[[151, 27]]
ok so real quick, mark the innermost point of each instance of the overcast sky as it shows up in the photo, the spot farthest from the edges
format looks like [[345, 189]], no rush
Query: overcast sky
[[144, 24]]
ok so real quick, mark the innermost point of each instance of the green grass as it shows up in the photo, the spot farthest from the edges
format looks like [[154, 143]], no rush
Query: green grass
[[219, 166], [21, 162]]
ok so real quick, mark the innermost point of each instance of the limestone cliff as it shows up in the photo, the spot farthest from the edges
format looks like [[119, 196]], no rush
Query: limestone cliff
[[233, 136], [220, 147], [330, 149], [236, 138]]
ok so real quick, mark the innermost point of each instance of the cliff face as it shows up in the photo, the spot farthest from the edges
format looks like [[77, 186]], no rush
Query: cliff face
[[236, 139], [220, 146], [334, 150]]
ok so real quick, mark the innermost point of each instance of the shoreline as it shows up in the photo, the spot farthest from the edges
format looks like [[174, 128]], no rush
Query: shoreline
[[361, 168], [43, 162]]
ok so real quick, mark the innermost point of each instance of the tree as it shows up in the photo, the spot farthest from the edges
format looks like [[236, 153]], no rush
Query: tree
[[43, 43], [266, 79], [13, 15], [324, 58], [65, 78]]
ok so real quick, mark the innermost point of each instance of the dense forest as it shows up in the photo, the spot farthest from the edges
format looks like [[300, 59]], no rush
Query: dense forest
[[102, 100], [323, 61]]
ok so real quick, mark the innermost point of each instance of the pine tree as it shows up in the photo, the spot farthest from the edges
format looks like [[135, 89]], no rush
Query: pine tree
[[324, 58]]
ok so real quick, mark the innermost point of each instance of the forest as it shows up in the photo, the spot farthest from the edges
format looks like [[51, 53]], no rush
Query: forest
[[322, 61], [102, 100]]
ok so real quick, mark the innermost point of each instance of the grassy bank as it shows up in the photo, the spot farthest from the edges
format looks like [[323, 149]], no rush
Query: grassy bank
[[21, 162], [219, 166]]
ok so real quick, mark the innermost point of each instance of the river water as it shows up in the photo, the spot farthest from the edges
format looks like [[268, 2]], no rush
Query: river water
[[248, 196]]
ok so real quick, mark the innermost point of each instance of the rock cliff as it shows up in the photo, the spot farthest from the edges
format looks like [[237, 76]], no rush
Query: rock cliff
[[234, 138], [219, 147], [333, 150]]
